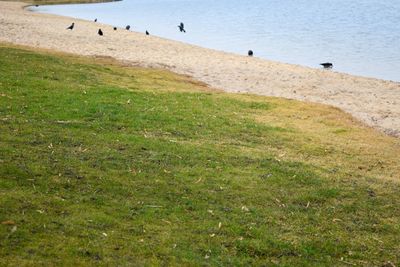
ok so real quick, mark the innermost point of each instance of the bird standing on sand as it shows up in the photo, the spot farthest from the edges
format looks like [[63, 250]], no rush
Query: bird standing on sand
[[100, 32], [181, 27], [327, 65], [71, 27], [127, 27], [147, 33], [250, 53], [95, 20], [115, 28]]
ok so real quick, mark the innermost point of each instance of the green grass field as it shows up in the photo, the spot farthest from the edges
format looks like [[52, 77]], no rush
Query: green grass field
[[109, 165]]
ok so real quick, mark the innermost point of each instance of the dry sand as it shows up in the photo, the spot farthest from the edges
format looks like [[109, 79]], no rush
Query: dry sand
[[375, 102]]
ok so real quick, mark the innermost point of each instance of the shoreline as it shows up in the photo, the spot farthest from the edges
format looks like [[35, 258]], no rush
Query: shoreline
[[373, 101], [62, 2]]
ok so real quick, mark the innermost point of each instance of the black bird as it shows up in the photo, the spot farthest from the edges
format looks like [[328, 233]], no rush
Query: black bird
[[127, 27], [36, 5], [100, 32], [147, 33], [250, 53], [327, 65], [71, 27], [95, 20], [115, 28], [181, 27]]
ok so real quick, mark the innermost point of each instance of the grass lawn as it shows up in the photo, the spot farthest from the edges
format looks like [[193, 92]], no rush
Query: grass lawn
[[104, 164]]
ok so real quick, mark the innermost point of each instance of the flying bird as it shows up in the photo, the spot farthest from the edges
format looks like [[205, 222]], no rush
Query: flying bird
[[327, 65], [250, 53], [71, 27], [147, 33], [128, 27], [181, 27], [100, 32]]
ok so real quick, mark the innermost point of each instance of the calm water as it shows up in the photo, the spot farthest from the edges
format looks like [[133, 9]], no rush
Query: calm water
[[359, 36]]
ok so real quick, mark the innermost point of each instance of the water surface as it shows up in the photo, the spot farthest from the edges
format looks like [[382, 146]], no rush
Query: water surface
[[360, 37]]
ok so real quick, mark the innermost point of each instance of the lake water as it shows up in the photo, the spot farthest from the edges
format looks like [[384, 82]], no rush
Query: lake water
[[360, 37]]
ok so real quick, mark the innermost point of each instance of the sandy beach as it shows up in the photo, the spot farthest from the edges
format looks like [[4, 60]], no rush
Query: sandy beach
[[374, 102]]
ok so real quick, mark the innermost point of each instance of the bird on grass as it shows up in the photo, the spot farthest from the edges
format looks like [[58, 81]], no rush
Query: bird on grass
[[71, 27], [250, 53], [327, 65], [147, 33], [127, 27], [100, 32], [181, 27]]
